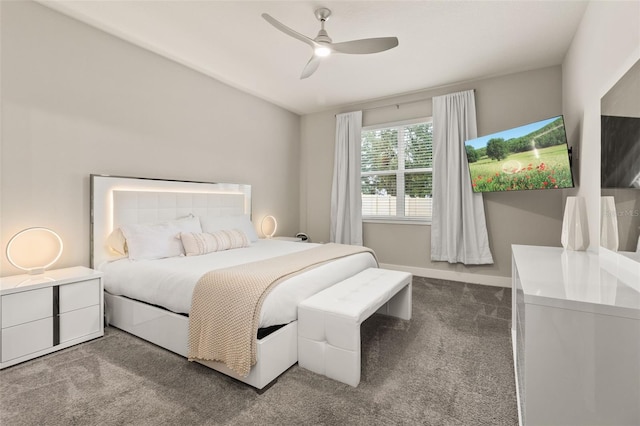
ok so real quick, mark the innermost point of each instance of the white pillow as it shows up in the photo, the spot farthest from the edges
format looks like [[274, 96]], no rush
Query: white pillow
[[158, 240], [202, 243], [218, 223]]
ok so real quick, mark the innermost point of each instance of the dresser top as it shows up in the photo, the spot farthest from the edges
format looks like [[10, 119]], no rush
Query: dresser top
[[578, 280], [17, 283]]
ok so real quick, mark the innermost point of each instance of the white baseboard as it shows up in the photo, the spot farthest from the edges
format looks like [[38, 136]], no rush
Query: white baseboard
[[466, 277]]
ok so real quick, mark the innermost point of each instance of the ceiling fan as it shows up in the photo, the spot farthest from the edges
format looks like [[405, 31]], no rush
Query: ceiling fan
[[323, 45]]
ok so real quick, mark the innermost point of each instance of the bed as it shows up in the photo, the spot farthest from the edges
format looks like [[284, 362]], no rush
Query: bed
[[151, 298]]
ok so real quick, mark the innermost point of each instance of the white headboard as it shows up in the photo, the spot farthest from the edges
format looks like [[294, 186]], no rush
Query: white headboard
[[116, 201]]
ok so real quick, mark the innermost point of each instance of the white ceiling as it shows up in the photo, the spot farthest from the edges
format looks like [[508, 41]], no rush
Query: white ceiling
[[441, 42]]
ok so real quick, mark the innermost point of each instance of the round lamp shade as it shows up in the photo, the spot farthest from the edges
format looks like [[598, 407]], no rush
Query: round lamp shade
[[34, 249], [268, 226]]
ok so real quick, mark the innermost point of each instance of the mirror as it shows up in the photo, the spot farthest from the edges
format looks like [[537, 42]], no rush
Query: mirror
[[620, 171]]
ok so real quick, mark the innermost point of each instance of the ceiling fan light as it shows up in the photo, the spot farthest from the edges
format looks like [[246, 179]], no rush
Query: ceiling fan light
[[322, 51]]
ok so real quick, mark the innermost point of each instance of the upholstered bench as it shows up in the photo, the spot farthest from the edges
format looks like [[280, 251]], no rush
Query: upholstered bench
[[329, 322]]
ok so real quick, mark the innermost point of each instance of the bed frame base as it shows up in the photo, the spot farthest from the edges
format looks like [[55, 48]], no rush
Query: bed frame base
[[276, 353]]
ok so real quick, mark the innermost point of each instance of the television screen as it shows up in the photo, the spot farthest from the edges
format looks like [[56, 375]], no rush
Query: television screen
[[533, 156], [620, 150]]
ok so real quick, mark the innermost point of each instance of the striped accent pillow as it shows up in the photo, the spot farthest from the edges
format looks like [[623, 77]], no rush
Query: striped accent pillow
[[202, 243]]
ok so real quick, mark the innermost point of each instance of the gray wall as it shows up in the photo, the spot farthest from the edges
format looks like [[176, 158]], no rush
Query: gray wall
[[76, 101], [531, 217], [605, 46], [623, 100]]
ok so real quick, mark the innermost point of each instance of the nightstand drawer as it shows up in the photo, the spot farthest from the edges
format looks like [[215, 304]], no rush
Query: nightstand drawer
[[26, 338], [18, 308], [79, 295], [80, 322]]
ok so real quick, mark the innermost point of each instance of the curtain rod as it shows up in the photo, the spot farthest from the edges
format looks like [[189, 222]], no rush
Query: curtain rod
[[397, 105]]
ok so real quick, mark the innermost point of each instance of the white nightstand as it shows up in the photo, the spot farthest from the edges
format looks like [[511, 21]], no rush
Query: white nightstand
[[44, 313]]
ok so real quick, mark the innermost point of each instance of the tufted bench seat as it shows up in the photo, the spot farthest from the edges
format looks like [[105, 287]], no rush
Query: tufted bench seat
[[329, 322]]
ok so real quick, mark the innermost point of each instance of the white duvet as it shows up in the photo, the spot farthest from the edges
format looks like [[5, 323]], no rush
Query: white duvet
[[170, 282]]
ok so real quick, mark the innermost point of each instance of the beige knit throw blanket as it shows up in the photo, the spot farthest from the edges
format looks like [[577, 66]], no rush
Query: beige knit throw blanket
[[226, 304]]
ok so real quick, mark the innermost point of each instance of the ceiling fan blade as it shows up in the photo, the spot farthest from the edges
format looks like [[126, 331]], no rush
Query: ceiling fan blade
[[289, 31], [311, 67], [366, 45]]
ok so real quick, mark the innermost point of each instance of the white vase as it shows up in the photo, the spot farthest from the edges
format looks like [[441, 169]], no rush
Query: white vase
[[608, 224], [575, 228]]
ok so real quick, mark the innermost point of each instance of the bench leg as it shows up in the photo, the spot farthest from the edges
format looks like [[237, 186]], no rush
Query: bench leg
[[332, 348], [399, 305], [311, 354], [342, 353]]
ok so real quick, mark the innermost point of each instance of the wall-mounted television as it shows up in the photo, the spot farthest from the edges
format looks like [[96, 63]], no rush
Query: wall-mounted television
[[620, 152], [533, 156]]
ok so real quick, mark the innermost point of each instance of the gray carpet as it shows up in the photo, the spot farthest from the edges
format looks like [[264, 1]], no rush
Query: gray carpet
[[450, 365]]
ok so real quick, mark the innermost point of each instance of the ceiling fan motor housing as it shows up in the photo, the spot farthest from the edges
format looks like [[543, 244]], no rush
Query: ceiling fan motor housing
[[322, 37]]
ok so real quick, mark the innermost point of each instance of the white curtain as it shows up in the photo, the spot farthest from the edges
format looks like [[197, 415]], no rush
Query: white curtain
[[459, 228], [346, 200]]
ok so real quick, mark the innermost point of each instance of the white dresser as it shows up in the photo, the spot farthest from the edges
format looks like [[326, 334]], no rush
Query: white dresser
[[576, 338], [43, 313]]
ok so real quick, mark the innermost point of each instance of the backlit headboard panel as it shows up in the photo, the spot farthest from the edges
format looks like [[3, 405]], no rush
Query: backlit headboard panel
[[116, 201]]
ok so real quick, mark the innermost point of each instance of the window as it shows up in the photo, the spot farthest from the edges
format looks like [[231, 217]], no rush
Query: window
[[396, 173]]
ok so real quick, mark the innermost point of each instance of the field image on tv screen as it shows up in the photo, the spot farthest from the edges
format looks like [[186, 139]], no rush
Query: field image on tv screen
[[533, 156]]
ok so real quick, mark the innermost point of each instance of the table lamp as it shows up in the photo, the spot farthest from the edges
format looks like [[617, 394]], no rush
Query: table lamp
[[34, 249]]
